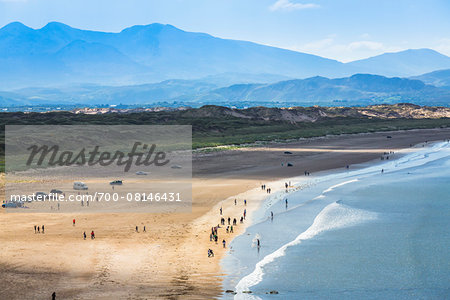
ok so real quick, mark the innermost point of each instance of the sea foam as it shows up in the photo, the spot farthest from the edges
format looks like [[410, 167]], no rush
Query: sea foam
[[333, 216]]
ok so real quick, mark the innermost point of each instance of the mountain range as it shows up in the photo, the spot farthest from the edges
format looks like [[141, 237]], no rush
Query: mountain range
[[358, 89], [58, 54]]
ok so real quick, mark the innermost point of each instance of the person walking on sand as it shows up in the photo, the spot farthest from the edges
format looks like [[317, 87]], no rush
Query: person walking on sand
[[224, 243], [35, 227], [73, 222], [92, 235], [235, 202], [144, 229], [271, 215], [39, 230], [245, 213], [43, 229], [228, 228], [221, 210], [216, 238], [258, 244], [229, 220], [84, 235], [211, 237], [234, 221], [54, 296], [137, 229], [231, 229], [245, 202], [210, 253]]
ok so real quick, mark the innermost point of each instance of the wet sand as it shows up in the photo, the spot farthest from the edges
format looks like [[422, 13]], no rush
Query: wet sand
[[169, 261]]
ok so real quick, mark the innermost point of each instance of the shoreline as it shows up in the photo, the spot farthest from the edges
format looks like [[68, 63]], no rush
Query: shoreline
[[267, 257], [296, 185], [170, 260]]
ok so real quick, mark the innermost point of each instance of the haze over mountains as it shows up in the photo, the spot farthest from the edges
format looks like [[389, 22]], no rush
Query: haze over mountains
[[195, 67]]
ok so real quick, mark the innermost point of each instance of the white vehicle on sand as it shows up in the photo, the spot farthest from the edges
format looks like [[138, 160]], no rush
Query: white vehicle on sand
[[78, 185]]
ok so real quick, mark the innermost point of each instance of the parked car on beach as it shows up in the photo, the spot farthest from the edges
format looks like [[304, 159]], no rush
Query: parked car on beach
[[116, 182], [78, 185]]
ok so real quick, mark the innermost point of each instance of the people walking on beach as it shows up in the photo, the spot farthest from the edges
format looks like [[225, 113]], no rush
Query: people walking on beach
[[271, 215], [382, 170], [35, 227], [39, 230], [137, 229], [286, 185], [222, 221], [43, 229], [235, 202], [144, 229], [242, 220], [228, 228], [231, 229], [84, 235], [245, 202], [234, 221], [92, 235], [73, 222], [216, 238], [224, 243], [229, 220], [221, 210], [211, 237], [258, 243], [245, 213]]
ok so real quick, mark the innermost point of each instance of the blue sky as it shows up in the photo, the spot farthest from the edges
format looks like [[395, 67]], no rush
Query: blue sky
[[341, 29]]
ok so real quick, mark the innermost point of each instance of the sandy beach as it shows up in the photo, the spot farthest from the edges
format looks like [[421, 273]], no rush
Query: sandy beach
[[169, 260]]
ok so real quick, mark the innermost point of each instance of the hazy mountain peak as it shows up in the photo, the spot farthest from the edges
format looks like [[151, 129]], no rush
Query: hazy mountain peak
[[154, 27], [55, 25], [15, 27]]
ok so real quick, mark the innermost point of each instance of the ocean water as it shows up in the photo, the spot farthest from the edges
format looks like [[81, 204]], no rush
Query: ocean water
[[359, 234]]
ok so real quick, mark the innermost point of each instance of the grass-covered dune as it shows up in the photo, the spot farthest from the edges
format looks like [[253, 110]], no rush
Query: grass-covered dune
[[215, 125]]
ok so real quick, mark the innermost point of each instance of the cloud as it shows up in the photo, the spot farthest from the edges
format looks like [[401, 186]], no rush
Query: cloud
[[287, 5], [367, 45], [330, 47], [443, 46]]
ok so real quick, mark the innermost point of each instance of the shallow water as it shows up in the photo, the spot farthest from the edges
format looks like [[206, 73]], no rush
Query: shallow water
[[353, 235]]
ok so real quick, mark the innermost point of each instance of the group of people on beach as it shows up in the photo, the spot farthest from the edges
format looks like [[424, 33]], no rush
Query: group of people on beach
[[229, 222], [143, 230], [92, 235], [264, 188], [37, 229]]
